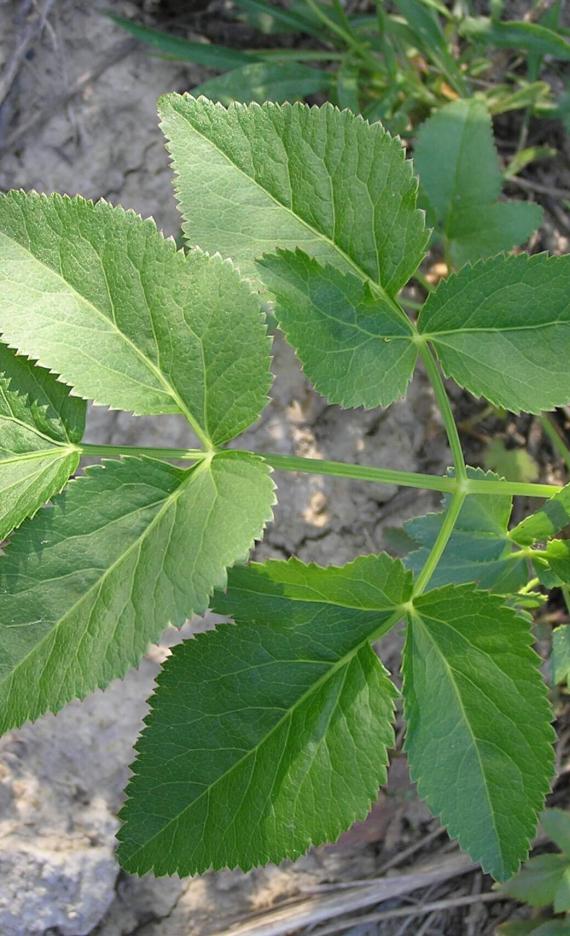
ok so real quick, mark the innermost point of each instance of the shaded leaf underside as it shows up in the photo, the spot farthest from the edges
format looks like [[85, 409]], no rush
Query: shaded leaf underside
[[292, 176]]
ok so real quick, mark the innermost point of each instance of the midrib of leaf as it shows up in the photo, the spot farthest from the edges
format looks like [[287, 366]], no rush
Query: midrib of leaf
[[253, 752], [454, 186], [321, 599], [56, 451], [377, 288], [354, 325], [168, 503], [417, 620], [33, 428], [6, 392], [435, 336], [169, 389]]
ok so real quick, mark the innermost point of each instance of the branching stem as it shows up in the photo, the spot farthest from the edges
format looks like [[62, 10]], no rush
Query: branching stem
[[340, 469]]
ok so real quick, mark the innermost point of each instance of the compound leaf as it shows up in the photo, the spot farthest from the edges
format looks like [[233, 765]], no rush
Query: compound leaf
[[265, 81], [39, 424], [354, 347], [101, 297], [502, 330], [479, 549], [126, 550], [289, 175], [269, 735], [552, 517], [479, 740]]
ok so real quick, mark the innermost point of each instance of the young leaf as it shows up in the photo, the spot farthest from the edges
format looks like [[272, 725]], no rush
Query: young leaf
[[126, 550], [39, 424], [479, 549], [464, 202], [479, 741], [456, 138], [539, 881], [269, 735], [354, 347], [101, 297], [556, 824], [289, 175], [265, 81], [502, 330], [552, 517]]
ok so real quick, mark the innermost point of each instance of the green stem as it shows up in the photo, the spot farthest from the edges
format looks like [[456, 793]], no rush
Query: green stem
[[530, 586], [516, 488], [359, 472], [111, 451], [556, 440], [426, 482], [566, 595], [442, 539], [442, 399]]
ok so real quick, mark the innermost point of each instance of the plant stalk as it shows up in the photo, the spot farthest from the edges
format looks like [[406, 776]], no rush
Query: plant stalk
[[338, 469], [444, 405], [442, 539]]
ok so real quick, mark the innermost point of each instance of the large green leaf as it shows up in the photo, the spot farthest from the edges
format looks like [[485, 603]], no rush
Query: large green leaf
[[353, 346], [101, 297], [39, 424], [269, 735], [552, 517], [265, 81], [125, 551], [289, 175], [479, 549], [463, 200], [479, 740], [502, 330]]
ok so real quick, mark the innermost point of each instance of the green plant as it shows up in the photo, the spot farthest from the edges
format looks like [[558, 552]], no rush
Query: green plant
[[272, 733], [543, 882], [395, 64]]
